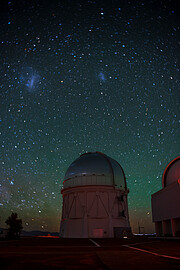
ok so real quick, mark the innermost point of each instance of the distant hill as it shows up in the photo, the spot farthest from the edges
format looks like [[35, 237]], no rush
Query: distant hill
[[38, 233]]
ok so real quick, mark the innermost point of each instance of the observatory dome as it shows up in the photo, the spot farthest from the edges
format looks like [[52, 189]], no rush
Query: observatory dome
[[171, 173], [95, 168]]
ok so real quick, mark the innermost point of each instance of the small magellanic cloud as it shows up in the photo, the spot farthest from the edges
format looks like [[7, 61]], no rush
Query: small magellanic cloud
[[101, 76]]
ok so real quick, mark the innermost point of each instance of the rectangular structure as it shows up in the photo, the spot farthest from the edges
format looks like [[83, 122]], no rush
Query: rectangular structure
[[166, 210], [166, 202]]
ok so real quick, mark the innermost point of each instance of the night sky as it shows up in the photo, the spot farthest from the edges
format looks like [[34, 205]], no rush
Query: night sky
[[82, 76]]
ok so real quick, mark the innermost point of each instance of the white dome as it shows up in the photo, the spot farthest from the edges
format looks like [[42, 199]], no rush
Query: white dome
[[172, 172], [95, 169]]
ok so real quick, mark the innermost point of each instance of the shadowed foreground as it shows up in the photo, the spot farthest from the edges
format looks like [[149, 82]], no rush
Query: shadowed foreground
[[49, 253]]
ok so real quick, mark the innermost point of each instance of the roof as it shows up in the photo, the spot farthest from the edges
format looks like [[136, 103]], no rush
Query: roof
[[101, 167], [171, 173]]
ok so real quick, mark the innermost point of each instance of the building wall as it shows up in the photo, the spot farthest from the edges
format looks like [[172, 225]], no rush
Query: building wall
[[166, 203], [166, 210], [93, 211]]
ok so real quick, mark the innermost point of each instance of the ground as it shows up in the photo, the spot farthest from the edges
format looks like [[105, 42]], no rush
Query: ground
[[54, 253]]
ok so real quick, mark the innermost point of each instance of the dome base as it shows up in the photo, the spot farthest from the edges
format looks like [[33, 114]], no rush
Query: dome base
[[94, 211]]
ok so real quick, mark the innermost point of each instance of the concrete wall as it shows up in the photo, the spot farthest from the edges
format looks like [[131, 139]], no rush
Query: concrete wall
[[170, 227], [89, 211], [166, 210], [166, 203]]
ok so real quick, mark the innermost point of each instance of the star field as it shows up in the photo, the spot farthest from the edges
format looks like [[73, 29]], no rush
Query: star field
[[80, 76]]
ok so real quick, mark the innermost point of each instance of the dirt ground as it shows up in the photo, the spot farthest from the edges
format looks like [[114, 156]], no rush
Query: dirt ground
[[119, 254]]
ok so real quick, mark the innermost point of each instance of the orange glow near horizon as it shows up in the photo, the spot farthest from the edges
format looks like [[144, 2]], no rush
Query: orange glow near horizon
[[47, 236]]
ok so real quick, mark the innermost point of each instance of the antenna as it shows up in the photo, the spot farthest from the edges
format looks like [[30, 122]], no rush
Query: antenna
[[139, 228]]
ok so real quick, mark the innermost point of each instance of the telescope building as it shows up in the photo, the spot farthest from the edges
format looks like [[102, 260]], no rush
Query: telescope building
[[166, 202], [94, 198]]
